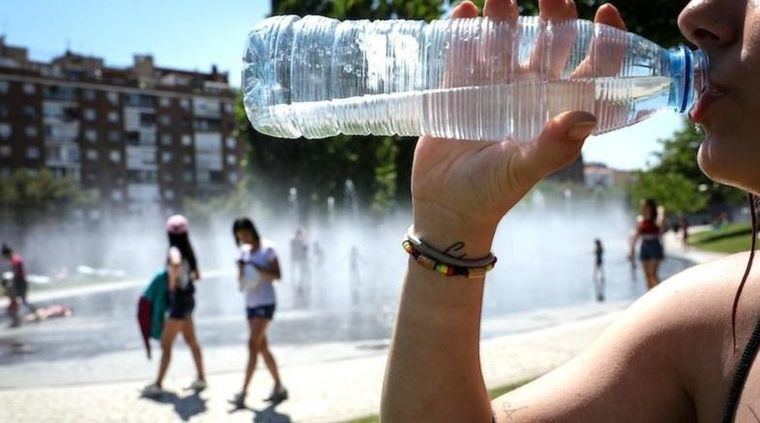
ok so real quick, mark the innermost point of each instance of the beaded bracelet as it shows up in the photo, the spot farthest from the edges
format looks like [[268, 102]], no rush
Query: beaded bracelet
[[447, 269]]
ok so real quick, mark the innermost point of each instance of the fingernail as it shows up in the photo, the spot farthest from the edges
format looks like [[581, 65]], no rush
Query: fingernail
[[581, 130]]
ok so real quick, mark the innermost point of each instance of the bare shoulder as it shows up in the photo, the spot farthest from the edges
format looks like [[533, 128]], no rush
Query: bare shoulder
[[701, 296], [669, 351]]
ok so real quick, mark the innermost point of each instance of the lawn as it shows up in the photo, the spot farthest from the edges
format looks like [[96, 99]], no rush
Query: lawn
[[493, 393], [731, 238]]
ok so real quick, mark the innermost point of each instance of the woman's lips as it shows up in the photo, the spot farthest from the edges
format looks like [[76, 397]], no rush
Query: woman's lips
[[706, 101]]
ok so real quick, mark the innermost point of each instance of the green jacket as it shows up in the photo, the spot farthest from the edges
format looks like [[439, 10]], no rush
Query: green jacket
[[157, 294]]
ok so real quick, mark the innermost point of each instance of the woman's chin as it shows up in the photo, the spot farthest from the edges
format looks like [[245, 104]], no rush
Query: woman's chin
[[726, 165]]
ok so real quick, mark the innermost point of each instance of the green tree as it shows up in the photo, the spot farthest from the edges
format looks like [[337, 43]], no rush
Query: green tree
[[677, 182], [27, 197]]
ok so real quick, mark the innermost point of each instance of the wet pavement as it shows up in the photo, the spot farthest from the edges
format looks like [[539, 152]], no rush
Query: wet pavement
[[104, 322]]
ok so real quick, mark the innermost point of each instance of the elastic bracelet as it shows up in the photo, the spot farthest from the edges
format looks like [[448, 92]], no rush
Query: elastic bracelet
[[446, 269], [443, 263], [442, 257]]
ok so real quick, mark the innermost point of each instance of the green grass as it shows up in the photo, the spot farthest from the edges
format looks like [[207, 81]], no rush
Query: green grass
[[731, 238], [493, 393]]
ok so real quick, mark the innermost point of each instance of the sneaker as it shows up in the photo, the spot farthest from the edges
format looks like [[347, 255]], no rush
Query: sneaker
[[152, 391], [198, 385], [238, 400], [279, 394]]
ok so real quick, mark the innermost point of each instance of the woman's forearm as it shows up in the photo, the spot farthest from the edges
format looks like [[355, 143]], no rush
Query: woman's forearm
[[433, 371]]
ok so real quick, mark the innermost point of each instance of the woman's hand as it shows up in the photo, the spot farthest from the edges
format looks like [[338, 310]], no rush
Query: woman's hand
[[461, 189]]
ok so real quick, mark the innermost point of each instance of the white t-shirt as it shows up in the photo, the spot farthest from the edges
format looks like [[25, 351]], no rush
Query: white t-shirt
[[258, 292]]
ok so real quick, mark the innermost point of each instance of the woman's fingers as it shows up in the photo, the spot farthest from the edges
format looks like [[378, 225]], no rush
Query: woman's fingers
[[605, 55], [498, 58], [465, 9], [609, 15], [460, 58], [501, 10], [558, 146], [553, 48], [556, 10]]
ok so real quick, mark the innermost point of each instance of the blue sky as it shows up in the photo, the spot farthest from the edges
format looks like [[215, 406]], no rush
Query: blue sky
[[194, 34]]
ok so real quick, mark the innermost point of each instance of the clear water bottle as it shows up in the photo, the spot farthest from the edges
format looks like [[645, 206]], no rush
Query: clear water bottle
[[476, 79]]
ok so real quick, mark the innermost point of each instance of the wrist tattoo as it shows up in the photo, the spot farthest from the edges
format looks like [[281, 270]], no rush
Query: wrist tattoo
[[453, 248]]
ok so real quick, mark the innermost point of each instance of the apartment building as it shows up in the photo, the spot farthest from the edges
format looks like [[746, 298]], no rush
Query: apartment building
[[141, 137]]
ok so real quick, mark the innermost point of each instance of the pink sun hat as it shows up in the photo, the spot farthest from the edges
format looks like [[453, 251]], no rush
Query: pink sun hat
[[177, 224]]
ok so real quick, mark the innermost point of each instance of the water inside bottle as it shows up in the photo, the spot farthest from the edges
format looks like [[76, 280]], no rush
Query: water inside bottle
[[516, 111]]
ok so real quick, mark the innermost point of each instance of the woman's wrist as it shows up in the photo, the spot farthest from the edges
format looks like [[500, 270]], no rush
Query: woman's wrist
[[453, 232]]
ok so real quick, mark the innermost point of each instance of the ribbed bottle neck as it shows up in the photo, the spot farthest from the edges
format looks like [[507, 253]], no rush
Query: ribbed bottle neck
[[689, 72]]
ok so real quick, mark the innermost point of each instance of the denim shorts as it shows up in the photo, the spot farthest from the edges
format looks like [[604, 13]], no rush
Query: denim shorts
[[651, 249], [261, 312]]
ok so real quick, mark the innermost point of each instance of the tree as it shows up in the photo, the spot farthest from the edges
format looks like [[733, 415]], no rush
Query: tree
[[27, 197], [677, 182]]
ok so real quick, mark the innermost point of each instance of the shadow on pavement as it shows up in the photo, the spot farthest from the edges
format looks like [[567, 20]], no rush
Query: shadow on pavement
[[266, 415], [185, 407], [270, 415]]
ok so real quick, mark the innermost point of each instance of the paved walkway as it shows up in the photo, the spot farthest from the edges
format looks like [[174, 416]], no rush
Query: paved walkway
[[328, 383]]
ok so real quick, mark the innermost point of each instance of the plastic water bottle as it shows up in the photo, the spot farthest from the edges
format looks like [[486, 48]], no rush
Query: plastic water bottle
[[476, 79]]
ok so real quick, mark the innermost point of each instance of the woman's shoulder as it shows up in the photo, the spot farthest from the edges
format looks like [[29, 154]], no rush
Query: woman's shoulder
[[688, 317], [711, 286], [267, 245]]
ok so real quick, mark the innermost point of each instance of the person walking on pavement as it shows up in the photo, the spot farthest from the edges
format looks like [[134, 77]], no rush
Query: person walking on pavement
[[19, 285], [183, 273], [258, 269]]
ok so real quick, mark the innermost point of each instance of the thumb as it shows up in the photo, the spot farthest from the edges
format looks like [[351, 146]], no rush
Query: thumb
[[558, 146]]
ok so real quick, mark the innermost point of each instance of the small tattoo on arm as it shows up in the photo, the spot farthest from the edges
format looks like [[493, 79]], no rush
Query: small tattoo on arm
[[509, 410], [453, 248]]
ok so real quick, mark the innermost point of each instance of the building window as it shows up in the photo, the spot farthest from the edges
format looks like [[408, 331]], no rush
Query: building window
[[3, 110], [117, 195], [89, 95], [228, 107], [187, 160], [166, 139], [32, 153], [113, 98], [115, 156], [187, 176], [166, 156], [169, 194], [164, 101], [5, 150], [91, 135], [90, 115], [185, 104], [29, 111], [31, 131], [114, 136], [30, 89], [4, 87], [165, 120], [92, 155], [231, 143], [113, 117], [5, 130], [232, 176], [187, 140], [231, 159]]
